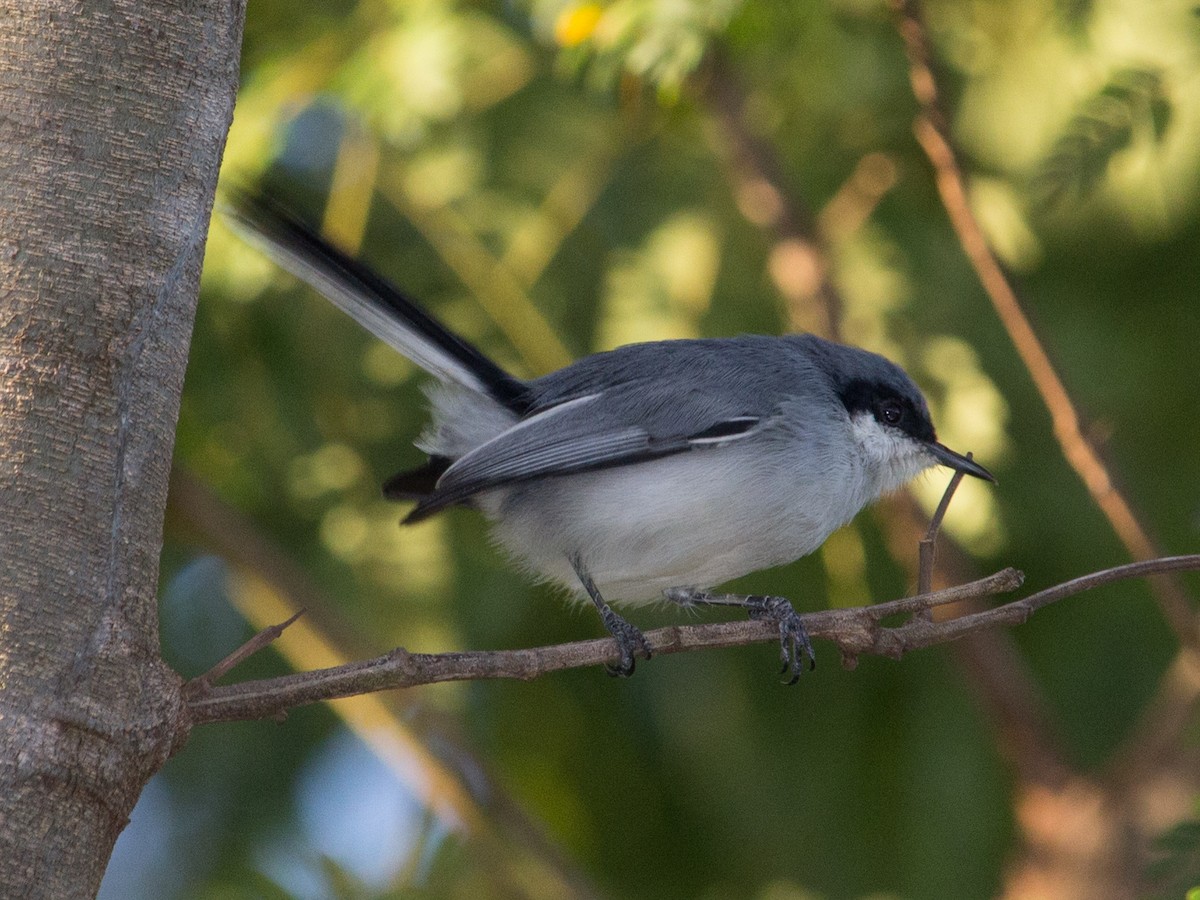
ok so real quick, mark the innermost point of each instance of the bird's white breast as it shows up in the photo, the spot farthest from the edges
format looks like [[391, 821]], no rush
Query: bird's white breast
[[693, 519]]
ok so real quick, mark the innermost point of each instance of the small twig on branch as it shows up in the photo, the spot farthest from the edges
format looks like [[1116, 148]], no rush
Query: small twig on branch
[[856, 631], [202, 683], [927, 549], [395, 730], [933, 135], [997, 672]]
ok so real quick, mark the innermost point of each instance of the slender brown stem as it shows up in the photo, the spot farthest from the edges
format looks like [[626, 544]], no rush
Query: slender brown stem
[[264, 638], [933, 136], [1060, 795], [927, 551], [799, 257], [856, 631]]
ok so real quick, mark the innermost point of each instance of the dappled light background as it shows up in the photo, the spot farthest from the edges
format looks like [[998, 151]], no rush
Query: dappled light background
[[554, 178]]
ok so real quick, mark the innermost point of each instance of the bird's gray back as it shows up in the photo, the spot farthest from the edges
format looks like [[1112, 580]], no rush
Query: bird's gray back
[[717, 378]]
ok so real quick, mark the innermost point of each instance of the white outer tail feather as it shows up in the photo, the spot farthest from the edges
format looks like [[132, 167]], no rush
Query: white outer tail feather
[[383, 324]]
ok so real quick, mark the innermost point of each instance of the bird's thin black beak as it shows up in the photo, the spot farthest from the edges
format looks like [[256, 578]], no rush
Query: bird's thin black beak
[[948, 457]]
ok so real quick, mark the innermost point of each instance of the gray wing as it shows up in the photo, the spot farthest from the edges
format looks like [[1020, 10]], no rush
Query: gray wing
[[620, 426]]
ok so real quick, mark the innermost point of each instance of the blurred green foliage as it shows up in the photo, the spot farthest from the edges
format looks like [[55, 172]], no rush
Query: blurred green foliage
[[1132, 102], [1177, 861], [552, 178]]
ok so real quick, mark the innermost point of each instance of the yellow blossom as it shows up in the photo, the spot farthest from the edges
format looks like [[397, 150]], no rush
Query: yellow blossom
[[575, 24]]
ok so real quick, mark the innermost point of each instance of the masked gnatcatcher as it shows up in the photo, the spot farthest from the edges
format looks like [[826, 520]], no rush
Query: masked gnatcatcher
[[653, 470]]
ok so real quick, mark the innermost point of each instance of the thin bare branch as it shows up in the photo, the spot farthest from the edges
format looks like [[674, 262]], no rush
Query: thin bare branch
[[799, 264], [933, 135], [264, 638], [856, 631], [927, 550], [800, 268]]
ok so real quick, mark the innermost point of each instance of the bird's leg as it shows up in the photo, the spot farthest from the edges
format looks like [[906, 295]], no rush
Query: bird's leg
[[794, 644], [630, 641]]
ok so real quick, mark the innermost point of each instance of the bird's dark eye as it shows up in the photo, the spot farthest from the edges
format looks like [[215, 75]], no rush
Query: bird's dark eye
[[890, 412]]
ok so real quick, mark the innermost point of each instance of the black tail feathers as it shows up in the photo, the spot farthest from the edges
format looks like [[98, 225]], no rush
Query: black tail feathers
[[273, 222]]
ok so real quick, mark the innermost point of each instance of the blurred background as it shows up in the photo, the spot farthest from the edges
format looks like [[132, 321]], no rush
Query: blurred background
[[554, 178]]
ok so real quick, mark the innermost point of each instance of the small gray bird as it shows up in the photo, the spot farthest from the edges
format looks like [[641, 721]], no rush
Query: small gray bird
[[653, 470]]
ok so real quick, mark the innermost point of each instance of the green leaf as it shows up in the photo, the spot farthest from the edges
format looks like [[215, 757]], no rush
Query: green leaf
[[1175, 869], [1132, 101]]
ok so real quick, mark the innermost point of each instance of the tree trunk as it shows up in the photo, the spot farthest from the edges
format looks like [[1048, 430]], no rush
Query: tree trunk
[[113, 116]]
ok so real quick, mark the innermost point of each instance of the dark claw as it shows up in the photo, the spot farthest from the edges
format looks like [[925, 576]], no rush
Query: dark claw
[[630, 644], [622, 670], [630, 641], [794, 644]]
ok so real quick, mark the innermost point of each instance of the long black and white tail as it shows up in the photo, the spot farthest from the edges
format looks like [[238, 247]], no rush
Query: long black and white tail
[[370, 299]]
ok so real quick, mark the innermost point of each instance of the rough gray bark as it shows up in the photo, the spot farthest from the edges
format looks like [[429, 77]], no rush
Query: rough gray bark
[[113, 116]]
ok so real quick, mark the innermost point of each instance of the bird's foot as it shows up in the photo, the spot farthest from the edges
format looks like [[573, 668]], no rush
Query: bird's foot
[[631, 643], [794, 644]]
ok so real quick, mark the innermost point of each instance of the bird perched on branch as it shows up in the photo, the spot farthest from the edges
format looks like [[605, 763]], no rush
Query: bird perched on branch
[[653, 470]]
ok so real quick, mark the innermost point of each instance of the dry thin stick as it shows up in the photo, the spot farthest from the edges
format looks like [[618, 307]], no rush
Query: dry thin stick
[[754, 169], [932, 134], [264, 638], [927, 549], [997, 672], [856, 631], [1168, 714]]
